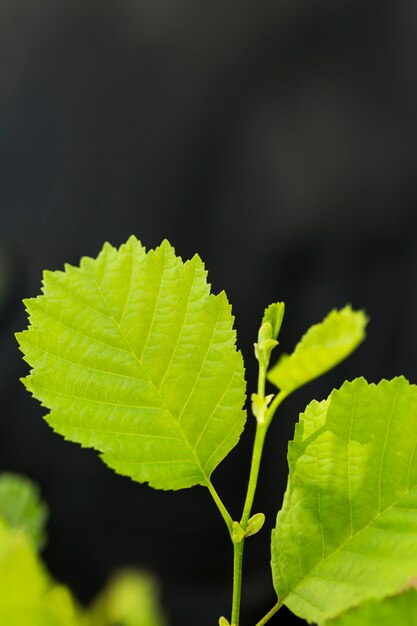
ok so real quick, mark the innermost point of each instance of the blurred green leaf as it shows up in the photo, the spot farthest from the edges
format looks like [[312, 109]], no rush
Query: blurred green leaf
[[22, 508], [130, 599], [28, 597]]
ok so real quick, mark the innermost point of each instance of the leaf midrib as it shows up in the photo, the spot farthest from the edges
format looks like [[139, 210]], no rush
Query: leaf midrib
[[133, 352], [130, 377], [341, 546]]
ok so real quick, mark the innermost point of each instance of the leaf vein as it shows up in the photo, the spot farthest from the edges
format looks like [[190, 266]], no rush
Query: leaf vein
[[129, 287], [124, 433], [230, 433], [216, 407], [151, 325], [181, 330], [82, 365], [394, 403], [341, 547], [209, 345]]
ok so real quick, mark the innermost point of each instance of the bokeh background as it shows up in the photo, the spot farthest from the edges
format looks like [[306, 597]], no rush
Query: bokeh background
[[277, 139]]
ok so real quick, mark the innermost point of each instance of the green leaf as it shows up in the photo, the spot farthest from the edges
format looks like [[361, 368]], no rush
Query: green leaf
[[260, 406], [274, 315], [255, 524], [268, 332], [135, 358], [238, 532], [22, 508], [322, 347], [130, 599], [27, 595], [63, 609], [347, 531], [398, 610]]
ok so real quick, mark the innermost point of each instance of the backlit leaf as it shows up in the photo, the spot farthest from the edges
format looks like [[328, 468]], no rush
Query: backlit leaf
[[27, 595], [21, 506], [347, 531], [130, 599], [322, 347], [398, 610], [135, 358]]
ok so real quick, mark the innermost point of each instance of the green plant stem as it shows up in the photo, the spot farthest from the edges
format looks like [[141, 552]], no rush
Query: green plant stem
[[270, 614], [280, 397], [237, 581], [261, 430], [261, 380], [258, 445]]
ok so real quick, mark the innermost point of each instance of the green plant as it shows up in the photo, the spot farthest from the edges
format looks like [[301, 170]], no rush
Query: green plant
[[28, 594], [134, 357]]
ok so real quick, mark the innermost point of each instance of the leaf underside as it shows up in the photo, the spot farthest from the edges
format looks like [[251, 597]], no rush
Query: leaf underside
[[398, 610], [135, 358], [322, 347], [347, 531]]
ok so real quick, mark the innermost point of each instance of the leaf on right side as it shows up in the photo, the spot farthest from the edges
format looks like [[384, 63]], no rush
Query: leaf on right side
[[347, 531], [322, 347], [398, 610]]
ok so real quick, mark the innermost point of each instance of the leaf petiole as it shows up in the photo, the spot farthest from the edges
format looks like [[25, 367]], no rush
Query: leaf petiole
[[270, 614], [223, 511]]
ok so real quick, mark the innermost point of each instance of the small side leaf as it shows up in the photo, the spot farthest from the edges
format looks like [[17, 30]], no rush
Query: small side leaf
[[22, 508], [134, 357], [255, 524], [274, 314], [322, 347], [347, 530], [268, 332], [260, 406], [238, 533]]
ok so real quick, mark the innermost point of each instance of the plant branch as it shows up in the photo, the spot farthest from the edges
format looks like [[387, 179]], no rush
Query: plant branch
[[261, 430], [270, 614], [267, 340], [238, 548], [279, 398], [237, 581]]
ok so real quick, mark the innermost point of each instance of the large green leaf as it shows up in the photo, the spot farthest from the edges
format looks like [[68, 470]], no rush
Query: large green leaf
[[21, 506], [347, 531], [322, 347], [135, 358], [398, 610]]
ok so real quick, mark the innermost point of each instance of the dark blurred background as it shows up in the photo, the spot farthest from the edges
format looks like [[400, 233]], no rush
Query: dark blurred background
[[276, 139]]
